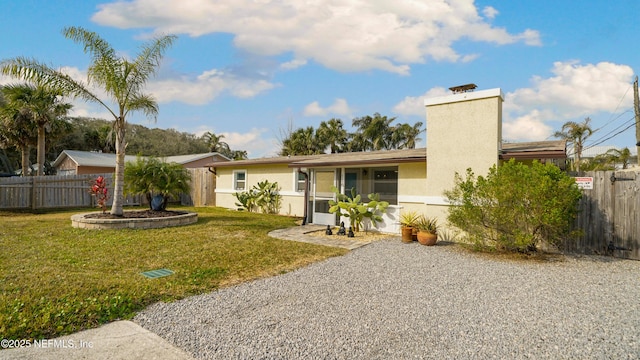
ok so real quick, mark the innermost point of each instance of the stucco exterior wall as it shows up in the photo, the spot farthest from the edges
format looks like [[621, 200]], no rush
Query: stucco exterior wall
[[412, 186], [463, 131], [292, 201]]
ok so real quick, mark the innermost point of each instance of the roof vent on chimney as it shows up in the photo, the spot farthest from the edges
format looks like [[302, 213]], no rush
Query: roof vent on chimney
[[463, 88]]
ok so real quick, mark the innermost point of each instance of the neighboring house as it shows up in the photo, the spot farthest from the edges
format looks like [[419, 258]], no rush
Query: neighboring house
[[463, 131], [74, 162]]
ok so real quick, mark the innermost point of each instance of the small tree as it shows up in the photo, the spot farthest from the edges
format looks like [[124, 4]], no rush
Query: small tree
[[246, 200], [268, 198], [576, 134], [264, 195], [123, 80], [353, 208], [617, 156], [99, 190], [152, 177], [515, 207]]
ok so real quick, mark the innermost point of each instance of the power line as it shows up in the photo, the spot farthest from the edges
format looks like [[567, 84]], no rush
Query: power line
[[615, 129], [614, 111], [614, 135]]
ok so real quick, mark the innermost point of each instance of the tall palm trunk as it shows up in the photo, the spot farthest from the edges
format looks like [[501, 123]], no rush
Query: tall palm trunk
[[118, 186], [41, 151], [25, 150]]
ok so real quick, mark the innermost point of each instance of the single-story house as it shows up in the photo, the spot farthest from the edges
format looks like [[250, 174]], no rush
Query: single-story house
[[463, 131], [75, 162]]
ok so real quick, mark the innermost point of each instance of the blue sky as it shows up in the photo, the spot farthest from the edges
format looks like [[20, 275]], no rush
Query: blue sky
[[249, 69]]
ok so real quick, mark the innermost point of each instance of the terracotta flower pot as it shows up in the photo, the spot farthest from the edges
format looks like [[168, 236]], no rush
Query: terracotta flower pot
[[427, 238], [407, 234]]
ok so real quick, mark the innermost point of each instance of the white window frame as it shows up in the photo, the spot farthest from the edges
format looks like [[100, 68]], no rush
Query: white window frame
[[235, 180]]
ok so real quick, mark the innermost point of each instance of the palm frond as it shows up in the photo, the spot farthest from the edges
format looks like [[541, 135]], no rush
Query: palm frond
[[144, 103]]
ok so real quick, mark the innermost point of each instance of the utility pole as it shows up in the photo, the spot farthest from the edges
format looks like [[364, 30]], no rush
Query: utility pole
[[636, 109]]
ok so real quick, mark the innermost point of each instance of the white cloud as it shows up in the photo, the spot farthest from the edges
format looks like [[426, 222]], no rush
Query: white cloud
[[252, 141], [490, 12], [339, 107], [414, 105], [527, 127], [293, 64], [346, 35], [206, 87], [573, 92]]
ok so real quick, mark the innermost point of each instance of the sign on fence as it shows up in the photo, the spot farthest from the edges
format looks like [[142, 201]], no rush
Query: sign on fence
[[585, 183]]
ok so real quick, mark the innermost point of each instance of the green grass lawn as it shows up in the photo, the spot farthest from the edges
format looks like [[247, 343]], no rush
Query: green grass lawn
[[55, 279]]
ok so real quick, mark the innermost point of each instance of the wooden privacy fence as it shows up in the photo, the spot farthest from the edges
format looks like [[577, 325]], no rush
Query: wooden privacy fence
[[41, 192], [609, 215], [203, 186]]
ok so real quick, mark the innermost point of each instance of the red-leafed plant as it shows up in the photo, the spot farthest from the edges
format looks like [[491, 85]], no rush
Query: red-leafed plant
[[99, 190]]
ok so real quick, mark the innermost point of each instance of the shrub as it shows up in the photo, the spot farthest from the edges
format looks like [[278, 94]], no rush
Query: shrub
[[264, 195], [246, 200], [516, 207], [353, 208], [152, 176], [99, 190]]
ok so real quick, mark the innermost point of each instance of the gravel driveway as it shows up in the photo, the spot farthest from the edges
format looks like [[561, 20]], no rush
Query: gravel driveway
[[390, 300]]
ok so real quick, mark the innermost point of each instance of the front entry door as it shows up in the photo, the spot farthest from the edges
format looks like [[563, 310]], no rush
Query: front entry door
[[323, 180]]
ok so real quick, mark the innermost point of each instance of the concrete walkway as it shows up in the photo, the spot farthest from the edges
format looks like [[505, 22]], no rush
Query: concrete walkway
[[116, 340], [301, 234], [128, 340]]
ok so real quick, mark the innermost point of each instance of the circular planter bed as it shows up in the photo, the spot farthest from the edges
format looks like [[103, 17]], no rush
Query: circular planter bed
[[145, 219]]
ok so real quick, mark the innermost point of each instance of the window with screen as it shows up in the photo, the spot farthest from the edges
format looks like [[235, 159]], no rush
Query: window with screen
[[385, 183], [240, 180]]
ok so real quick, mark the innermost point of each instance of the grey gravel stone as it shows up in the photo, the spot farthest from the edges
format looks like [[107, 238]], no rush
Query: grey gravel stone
[[391, 300]]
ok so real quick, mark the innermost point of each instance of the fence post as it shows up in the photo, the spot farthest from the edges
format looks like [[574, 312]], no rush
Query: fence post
[[613, 206], [33, 193]]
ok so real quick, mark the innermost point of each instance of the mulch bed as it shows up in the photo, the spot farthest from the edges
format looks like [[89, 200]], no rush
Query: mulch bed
[[137, 214]]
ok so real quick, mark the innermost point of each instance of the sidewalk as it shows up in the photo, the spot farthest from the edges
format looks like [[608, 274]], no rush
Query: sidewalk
[[116, 340]]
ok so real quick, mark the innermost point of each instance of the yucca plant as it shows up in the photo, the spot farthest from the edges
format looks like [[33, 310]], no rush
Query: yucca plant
[[427, 224], [409, 218]]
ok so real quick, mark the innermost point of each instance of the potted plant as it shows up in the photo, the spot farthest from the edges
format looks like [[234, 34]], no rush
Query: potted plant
[[408, 221], [427, 230]]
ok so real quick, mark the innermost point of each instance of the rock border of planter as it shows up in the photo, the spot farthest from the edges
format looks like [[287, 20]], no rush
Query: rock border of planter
[[80, 221]]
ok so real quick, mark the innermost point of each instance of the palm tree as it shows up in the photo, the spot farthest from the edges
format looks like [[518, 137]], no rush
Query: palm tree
[[240, 155], [123, 80], [405, 136], [616, 156], [16, 130], [43, 106], [601, 162], [373, 133], [153, 176], [302, 142], [215, 143], [333, 135], [575, 133]]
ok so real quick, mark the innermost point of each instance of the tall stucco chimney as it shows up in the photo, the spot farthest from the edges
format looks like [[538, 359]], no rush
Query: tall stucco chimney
[[464, 130]]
